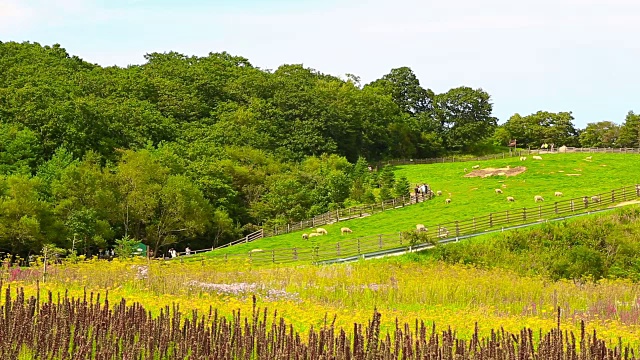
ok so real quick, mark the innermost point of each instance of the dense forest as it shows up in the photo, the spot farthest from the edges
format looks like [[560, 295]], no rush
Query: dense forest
[[195, 151]]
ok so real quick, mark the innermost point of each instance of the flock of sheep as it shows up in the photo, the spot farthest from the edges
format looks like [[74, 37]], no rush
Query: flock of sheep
[[442, 231], [322, 231]]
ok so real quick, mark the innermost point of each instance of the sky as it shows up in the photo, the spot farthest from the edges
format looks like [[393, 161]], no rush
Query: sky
[[581, 56]]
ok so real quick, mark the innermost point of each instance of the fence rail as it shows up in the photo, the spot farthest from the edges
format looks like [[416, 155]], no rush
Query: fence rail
[[334, 216], [445, 232]]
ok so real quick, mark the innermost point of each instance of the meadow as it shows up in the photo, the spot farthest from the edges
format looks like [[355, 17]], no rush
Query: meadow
[[572, 174]]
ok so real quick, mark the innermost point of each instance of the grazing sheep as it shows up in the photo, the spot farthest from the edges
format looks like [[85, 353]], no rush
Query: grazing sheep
[[447, 201], [314, 235], [510, 198], [498, 191], [439, 193], [588, 158], [595, 199], [443, 232], [538, 198], [256, 250], [558, 193], [465, 169], [321, 231], [345, 230], [420, 227], [536, 157], [523, 158], [305, 236], [504, 185], [475, 167]]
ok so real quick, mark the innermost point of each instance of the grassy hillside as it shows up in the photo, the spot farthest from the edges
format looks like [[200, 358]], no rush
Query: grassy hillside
[[571, 174]]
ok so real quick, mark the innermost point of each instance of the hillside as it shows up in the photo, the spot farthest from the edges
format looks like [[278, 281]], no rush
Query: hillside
[[471, 197]]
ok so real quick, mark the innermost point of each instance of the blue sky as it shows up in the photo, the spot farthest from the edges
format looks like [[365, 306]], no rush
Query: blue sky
[[555, 55]]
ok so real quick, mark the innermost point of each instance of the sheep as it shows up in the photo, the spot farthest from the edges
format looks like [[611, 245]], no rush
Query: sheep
[[558, 193], [443, 232], [465, 169], [595, 199], [536, 157], [504, 186], [523, 158], [510, 198], [475, 167], [498, 191], [345, 230], [439, 193], [256, 250], [447, 201], [314, 235], [538, 198], [305, 236], [588, 158], [321, 231], [420, 227]]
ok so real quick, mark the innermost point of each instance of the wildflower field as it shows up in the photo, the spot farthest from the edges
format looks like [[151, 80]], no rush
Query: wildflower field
[[572, 174]]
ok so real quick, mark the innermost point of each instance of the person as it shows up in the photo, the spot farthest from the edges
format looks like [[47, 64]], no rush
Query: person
[[172, 253], [187, 251]]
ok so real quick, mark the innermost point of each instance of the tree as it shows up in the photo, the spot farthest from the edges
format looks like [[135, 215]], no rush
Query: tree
[[630, 131], [401, 187], [20, 150], [465, 116], [543, 127], [405, 89], [600, 134]]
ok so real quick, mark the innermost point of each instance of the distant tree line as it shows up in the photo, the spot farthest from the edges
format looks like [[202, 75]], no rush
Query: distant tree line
[[197, 151]]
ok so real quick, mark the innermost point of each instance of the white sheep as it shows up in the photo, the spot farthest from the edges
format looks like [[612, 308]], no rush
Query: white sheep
[[510, 198], [443, 232], [314, 235], [420, 227], [504, 186], [498, 191], [538, 198], [588, 158], [321, 231], [305, 236], [536, 157], [439, 193], [475, 167], [558, 193], [256, 250], [523, 158], [595, 198], [345, 230], [447, 201], [465, 169]]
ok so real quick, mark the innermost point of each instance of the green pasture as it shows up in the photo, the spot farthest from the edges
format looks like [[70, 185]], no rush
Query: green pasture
[[570, 174]]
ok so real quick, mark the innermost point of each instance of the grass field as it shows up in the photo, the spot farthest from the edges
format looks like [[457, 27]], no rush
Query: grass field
[[476, 196]]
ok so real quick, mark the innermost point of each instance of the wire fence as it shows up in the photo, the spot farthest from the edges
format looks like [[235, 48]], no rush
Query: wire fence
[[441, 232]]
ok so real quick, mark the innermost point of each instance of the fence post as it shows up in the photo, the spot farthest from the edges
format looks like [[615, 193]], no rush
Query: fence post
[[524, 214], [313, 222], [539, 211], [638, 186], [402, 200], [573, 209], [382, 205], [503, 155], [624, 193], [358, 246], [457, 229], [380, 241], [507, 216], [295, 254], [338, 249], [246, 239], [288, 228], [556, 207], [613, 196], [491, 220], [273, 256]]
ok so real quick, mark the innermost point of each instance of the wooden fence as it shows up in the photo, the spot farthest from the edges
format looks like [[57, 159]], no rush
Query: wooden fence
[[334, 216], [445, 231]]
